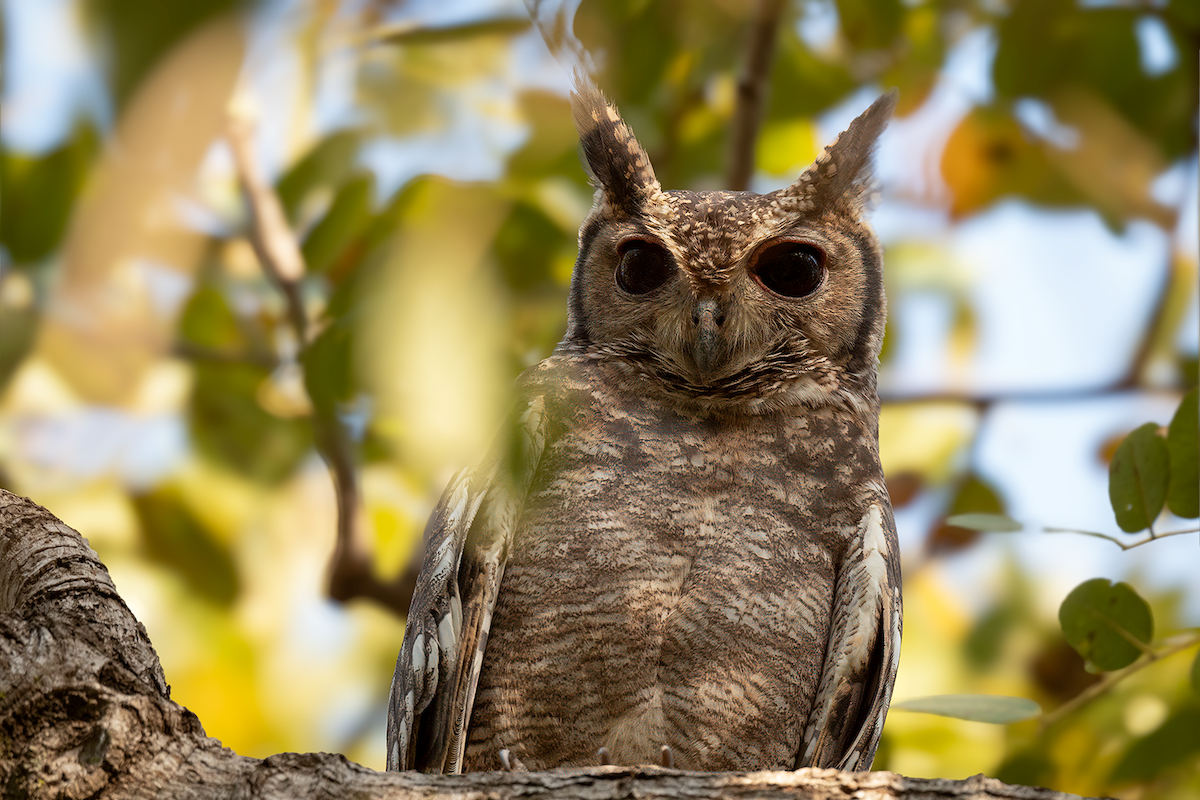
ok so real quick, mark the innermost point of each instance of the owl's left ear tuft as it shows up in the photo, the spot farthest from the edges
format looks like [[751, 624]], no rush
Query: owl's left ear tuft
[[619, 166], [842, 173]]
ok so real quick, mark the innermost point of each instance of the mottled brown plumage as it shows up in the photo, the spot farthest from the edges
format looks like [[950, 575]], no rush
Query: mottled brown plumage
[[683, 537]]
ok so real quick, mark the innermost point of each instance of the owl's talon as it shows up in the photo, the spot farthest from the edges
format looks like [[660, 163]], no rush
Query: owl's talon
[[668, 757], [509, 762], [604, 756]]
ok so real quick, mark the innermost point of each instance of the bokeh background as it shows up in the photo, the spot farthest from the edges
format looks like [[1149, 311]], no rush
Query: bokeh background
[[1039, 211]]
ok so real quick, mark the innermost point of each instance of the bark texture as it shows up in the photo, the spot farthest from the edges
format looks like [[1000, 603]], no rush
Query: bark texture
[[85, 712]]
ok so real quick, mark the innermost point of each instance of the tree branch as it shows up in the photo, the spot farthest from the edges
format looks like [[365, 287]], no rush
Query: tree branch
[[1111, 679], [1154, 537], [350, 571], [751, 91], [86, 713], [272, 239]]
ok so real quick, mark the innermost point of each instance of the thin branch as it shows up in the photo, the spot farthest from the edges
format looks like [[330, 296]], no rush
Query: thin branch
[[984, 400], [1111, 679], [1123, 545], [350, 573], [272, 238], [751, 91]]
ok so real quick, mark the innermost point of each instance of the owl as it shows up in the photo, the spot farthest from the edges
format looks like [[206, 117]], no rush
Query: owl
[[681, 544]]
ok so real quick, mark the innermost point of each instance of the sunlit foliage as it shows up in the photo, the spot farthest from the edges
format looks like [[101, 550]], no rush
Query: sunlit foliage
[[154, 394]]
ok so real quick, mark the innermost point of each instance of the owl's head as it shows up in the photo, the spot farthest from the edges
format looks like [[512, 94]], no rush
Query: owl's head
[[731, 299]]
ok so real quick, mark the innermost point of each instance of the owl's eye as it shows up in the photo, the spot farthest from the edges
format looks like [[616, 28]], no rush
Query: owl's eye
[[644, 266], [790, 269]]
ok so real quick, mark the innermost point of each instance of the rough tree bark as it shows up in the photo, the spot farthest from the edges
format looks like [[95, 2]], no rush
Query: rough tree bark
[[85, 712]]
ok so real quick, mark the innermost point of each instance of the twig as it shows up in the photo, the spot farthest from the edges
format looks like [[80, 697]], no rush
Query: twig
[[984, 400], [273, 240], [1153, 537], [350, 573], [751, 89], [1113, 678]]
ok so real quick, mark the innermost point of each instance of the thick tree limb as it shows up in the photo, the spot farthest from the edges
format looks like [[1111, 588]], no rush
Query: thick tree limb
[[85, 712]]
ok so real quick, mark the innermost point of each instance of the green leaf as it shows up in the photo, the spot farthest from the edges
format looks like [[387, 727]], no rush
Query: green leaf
[[1167, 745], [229, 425], [1183, 450], [418, 33], [329, 365], [1102, 621], [39, 194], [991, 708], [985, 641], [992, 523], [326, 166], [174, 536], [1196, 673], [1137, 478], [1032, 767], [871, 24], [331, 239]]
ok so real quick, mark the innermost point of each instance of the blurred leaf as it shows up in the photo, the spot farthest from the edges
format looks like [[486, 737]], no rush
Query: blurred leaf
[[208, 322], [975, 496], [870, 24], [228, 424], [786, 146], [985, 641], [902, 487], [924, 52], [1196, 673], [803, 84], [1054, 48], [1058, 670], [989, 157], [329, 365], [1028, 768], [347, 218], [419, 33], [1189, 369], [1183, 450], [1185, 13], [326, 165], [39, 194], [992, 523], [526, 245], [990, 708], [1100, 618], [1137, 478], [1043, 43], [20, 313], [552, 146], [174, 537], [1171, 743]]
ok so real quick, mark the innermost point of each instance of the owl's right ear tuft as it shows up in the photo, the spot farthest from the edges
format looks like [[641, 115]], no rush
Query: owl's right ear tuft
[[619, 166], [841, 175]]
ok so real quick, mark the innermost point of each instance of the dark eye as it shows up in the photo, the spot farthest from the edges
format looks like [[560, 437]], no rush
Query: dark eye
[[644, 266], [790, 269]]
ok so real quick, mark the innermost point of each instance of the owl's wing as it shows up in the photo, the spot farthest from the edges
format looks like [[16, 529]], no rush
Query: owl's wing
[[467, 541], [864, 652]]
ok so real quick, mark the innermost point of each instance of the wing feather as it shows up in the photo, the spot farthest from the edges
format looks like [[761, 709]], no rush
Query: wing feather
[[863, 655], [467, 540]]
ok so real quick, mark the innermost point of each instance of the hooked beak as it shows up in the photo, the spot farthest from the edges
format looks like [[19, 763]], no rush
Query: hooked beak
[[709, 347]]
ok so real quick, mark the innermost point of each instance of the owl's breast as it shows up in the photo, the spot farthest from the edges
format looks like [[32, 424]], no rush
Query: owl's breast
[[670, 582]]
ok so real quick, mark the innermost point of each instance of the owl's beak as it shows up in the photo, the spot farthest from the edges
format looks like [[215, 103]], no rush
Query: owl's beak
[[709, 347]]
